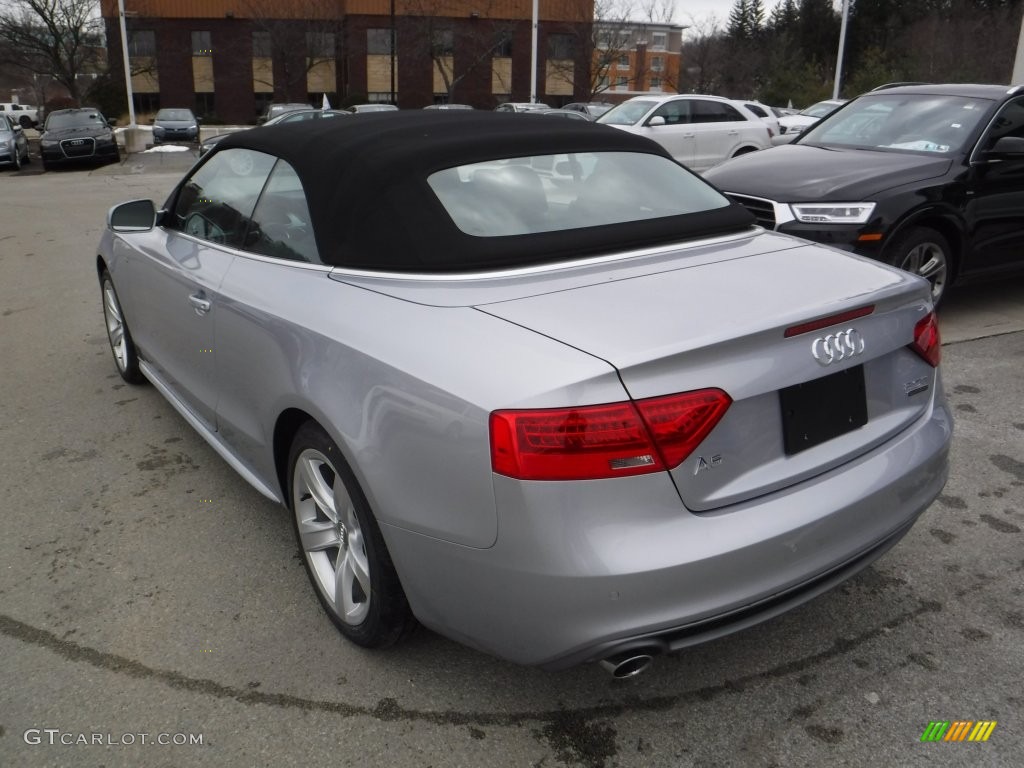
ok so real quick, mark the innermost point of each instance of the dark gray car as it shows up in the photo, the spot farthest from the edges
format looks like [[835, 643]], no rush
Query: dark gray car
[[530, 382], [175, 125]]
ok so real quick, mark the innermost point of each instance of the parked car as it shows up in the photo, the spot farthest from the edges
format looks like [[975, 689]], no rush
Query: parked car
[[449, 107], [927, 178], [565, 113], [592, 109], [75, 136], [598, 415], [13, 144], [276, 110], [175, 125], [791, 125], [359, 109], [25, 115], [767, 115], [520, 106], [295, 116], [699, 131]]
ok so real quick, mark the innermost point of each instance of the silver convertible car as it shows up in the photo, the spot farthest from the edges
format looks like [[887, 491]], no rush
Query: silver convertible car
[[530, 383]]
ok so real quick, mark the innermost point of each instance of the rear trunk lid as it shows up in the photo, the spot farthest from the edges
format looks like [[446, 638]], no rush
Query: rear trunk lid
[[794, 414]]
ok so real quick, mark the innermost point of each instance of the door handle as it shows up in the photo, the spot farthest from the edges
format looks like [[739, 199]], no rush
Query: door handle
[[200, 303]]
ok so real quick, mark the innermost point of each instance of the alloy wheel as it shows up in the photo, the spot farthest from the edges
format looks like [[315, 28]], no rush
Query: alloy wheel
[[929, 261]]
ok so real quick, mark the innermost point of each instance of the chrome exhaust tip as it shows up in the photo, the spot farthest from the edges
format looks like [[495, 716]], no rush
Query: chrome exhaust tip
[[628, 664]]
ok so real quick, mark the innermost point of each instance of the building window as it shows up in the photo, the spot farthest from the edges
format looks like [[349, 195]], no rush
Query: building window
[[142, 42], [378, 42], [146, 103], [655, 83], [657, 63], [201, 43], [262, 47], [320, 45], [622, 83], [561, 47], [623, 62], [503, 45], [204, 104], [658, 40], [442, 42], [603, 83], [378, 97]]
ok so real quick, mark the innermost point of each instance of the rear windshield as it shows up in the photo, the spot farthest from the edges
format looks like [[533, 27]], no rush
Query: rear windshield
[[547, 193]]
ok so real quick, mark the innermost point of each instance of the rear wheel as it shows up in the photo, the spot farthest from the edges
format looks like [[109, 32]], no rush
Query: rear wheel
[[17, 158], [25, 121], [342, 546], [924, 252]]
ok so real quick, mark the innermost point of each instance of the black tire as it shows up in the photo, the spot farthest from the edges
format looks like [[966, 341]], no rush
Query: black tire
[[25, 121], [121, 345], [17, 158], [338, 532], [924, 252]]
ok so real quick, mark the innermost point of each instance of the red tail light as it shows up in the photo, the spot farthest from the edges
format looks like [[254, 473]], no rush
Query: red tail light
[[599, 441], [927, 342]]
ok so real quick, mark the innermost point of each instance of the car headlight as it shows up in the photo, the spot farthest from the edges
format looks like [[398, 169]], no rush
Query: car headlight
[[48, 142], [158, 129], [832, 213]]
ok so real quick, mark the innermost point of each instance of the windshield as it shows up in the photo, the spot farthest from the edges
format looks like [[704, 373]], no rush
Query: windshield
[[84, 119], [916, 123], [626, 113], [175, 114], [547, 193]]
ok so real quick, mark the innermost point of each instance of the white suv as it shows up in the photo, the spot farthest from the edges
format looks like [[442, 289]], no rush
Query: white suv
[[699, 131]]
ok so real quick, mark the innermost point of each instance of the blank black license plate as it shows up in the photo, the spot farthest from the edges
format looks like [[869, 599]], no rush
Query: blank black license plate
[[819, 410]]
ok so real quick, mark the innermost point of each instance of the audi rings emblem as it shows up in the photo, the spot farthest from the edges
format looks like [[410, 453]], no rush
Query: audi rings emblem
[[837, 346]]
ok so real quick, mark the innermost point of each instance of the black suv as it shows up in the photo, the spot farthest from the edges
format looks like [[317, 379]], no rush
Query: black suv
[[929, 178]]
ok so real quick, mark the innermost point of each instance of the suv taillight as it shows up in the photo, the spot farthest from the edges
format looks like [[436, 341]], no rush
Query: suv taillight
[[600, 441], [927, 342]]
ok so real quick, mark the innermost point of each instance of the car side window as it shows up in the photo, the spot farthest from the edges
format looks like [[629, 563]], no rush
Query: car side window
[[1008, 122], [674, 112], [217, 201], [281, 225], [716, 112]]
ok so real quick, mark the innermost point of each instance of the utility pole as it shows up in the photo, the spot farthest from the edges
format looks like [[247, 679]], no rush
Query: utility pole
[[127, 68], [842, 45]]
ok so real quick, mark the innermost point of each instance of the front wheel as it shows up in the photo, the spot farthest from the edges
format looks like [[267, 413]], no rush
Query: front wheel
[[924, 252], [343, 549], [121, 344]]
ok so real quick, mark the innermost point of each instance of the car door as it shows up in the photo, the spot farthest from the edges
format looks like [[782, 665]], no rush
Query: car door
[[718, 128], [994, 213], [175, 284], [673, 130]]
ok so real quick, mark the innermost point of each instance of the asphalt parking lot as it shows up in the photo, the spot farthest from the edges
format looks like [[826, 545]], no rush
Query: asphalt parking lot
[[146, 589]]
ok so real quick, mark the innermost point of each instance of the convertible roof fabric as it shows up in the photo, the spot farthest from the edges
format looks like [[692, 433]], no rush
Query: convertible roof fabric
[[365, 180]]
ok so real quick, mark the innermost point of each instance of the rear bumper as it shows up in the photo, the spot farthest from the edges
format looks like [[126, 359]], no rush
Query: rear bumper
[[583, 570]]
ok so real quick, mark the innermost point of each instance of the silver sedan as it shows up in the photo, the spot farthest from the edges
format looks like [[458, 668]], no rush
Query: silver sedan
[[530, 383]]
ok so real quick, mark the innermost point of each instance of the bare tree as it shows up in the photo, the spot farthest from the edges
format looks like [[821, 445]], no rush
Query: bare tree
[[297, 45], [430, 21], [61, 39], [703, 56]]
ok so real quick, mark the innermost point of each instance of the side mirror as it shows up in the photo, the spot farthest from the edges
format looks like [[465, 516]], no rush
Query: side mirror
[[199, 121], [133, 216], [1009, 147], [656, 121]]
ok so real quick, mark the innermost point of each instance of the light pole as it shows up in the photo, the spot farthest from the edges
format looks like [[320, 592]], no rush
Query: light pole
[[392, 48], [842, 45], [127, 69], [533, 53]]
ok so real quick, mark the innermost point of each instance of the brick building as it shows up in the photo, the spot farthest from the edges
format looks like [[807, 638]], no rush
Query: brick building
[[227, 59]]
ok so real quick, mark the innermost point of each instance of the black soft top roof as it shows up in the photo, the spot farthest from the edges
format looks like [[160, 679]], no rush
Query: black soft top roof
[[365, 180]]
